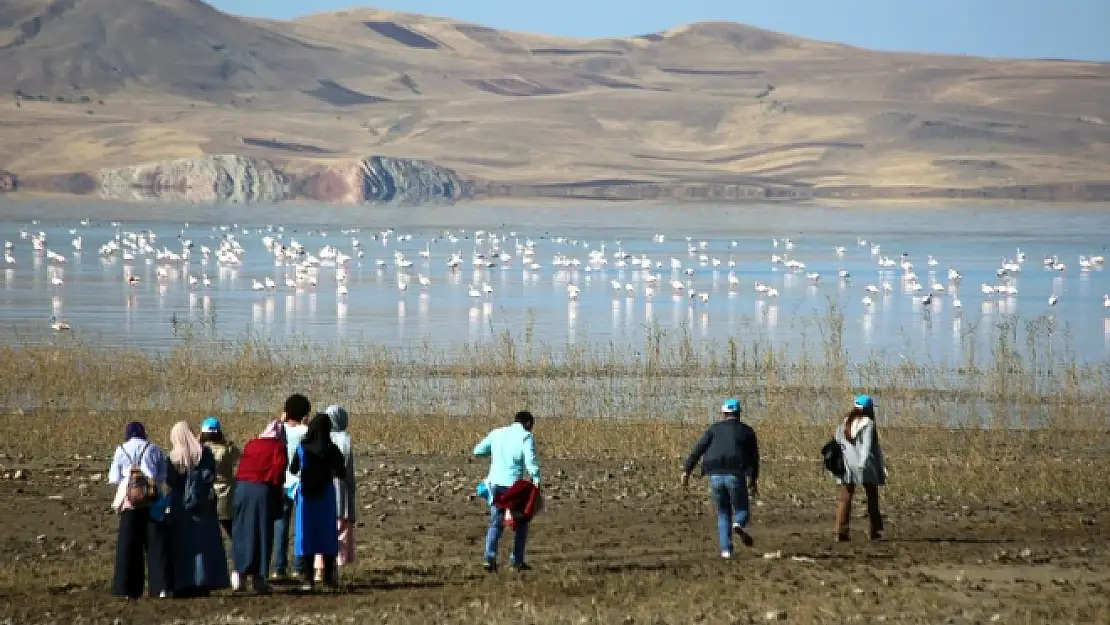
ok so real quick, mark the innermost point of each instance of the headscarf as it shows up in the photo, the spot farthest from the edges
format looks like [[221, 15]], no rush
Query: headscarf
[[187, 449], [134, 430], [339, 434], [275, 429], [318, 436], [338, 417]]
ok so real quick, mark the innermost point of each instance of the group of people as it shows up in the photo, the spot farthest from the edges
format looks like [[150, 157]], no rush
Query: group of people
[[297, 476], [729, 456]]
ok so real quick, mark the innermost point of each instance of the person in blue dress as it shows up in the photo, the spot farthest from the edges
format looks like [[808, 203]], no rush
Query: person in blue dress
[[197, 553], [317, 462]]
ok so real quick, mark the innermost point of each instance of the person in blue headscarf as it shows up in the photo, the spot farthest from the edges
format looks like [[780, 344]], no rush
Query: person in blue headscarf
[[863, 464], [729, 454]]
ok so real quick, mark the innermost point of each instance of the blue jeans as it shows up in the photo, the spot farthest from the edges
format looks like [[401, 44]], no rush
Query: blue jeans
[[497, 527], [281, 539], [730, 494]]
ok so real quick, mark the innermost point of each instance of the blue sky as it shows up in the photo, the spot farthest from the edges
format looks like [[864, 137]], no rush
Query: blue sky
[[1015, 28]]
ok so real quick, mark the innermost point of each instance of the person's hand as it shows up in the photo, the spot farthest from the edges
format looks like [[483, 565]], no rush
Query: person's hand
[[685, 480]]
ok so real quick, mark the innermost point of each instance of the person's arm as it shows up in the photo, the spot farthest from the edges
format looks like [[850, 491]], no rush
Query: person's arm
[[753, 454], [699, 450], [531, 461], [865, 437], [158, 463], [115, 473], [485, 447]]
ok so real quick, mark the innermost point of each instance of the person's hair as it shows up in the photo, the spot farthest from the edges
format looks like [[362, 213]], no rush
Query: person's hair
[[297, 407], [212, 437], [856, 413], [524, 418]]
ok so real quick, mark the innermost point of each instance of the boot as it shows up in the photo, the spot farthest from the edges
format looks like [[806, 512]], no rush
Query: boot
[[844, 514]]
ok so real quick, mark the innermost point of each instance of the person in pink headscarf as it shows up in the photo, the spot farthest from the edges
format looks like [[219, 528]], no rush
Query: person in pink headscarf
[[258, 498]]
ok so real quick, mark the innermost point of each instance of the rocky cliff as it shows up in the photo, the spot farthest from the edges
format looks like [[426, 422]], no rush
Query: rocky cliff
[[232, 179], [8, 181]]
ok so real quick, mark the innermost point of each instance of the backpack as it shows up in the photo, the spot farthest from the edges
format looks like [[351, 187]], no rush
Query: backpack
[[141, 491], [198, 491], [833, 457]]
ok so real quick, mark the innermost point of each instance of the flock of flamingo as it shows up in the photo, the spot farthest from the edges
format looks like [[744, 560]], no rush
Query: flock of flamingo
[[638, 274]]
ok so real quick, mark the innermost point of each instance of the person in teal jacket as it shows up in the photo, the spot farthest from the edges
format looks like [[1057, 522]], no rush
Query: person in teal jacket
[[511, 450]]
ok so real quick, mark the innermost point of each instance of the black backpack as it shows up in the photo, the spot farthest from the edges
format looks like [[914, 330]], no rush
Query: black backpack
[[833, 457]]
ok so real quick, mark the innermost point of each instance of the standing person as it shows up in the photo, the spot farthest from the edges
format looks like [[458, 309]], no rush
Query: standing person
[[138, 533], [863, 464], [227, 457], [199, 560], [258, 500], [297, 408], [345, 489], [318, 462], [511, 450], [729, 454]]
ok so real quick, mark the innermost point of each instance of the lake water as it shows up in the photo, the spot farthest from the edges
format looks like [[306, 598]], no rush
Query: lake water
[[96, 300]]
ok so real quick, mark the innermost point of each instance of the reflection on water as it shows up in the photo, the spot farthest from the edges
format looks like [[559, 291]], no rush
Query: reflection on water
[[700, 279]]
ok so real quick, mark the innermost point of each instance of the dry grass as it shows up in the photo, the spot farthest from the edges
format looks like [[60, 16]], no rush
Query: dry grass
[[632, 105], [1024, 415]]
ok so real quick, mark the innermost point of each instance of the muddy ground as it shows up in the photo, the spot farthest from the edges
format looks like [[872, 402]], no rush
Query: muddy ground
[[619, 543]]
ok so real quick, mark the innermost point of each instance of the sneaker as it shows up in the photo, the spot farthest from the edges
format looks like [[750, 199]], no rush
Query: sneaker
[[489, 564], [520, 567], [277, 576], [726, 555], [745, 537], [236, 581], [307, 587], [164, 595]]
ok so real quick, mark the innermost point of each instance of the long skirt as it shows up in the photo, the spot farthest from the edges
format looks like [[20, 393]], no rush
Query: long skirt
[[140, 536], [199, 559], [252, 535], [346, 545], [316, 531]]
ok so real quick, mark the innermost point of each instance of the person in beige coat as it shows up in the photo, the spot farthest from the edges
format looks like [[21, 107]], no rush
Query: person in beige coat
[[863, 465], [227, 458]]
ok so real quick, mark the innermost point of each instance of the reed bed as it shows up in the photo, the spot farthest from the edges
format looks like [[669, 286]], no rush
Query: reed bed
[[960, 421]]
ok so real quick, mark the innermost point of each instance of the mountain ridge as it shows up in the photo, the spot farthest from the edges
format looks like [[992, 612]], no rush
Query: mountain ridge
[[113, 83]]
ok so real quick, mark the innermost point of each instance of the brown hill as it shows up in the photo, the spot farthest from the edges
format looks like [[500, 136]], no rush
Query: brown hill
[[113, 82]]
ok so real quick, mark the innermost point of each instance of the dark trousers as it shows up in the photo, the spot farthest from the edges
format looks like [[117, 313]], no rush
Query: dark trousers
[[844, 510], [282, 523], [142, 546]]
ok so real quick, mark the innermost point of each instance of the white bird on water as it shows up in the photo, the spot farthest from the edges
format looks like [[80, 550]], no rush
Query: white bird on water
[[58, 326], [1106, 300], [1052, 299]]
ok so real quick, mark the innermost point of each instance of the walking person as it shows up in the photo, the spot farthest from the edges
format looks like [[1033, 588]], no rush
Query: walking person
[[318, 462], [199, 560], [227, 457], [863, 465], [729, 454], [140, 540], [258, 501], [511, 450], [296, 410], [345, 490]]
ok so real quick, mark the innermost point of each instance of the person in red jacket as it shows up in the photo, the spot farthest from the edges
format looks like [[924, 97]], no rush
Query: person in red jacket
[[258, 495]]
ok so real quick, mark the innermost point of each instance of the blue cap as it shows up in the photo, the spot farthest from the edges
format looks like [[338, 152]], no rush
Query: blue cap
[[210, 425], [864, 401], [731, 406]]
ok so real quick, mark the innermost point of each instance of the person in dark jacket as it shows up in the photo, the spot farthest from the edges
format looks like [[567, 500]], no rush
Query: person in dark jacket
[[729, 455]]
